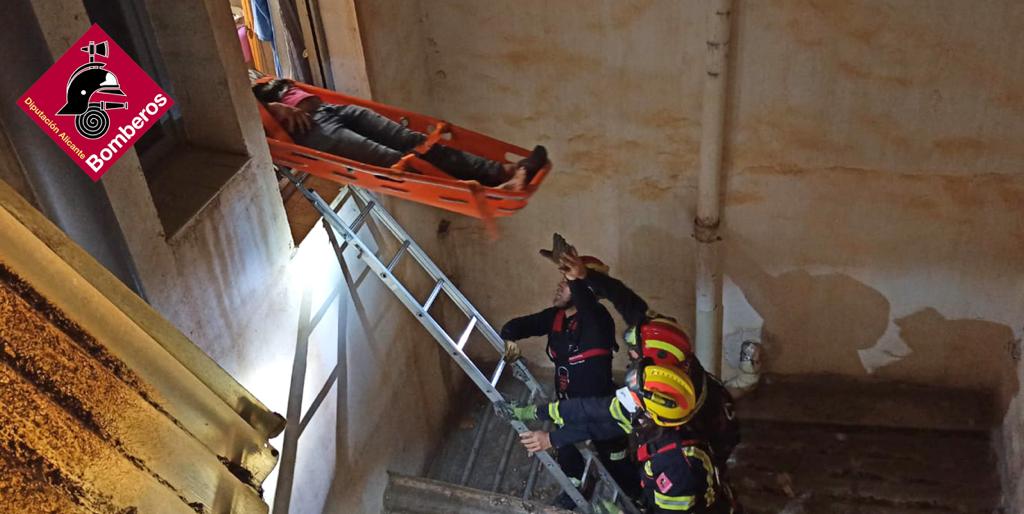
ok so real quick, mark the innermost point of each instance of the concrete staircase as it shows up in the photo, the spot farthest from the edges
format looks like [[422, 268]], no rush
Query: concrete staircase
[[483, 453], [412, 495], [810, 445], [796, 468], [479, 469], [828, 445]]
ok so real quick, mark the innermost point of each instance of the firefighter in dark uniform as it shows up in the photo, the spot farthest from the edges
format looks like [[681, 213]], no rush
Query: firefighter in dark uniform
[[661, 339], [580, 342], [679, 472]]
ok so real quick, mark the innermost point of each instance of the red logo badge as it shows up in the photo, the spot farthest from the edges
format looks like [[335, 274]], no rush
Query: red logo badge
[[664, 484], [95, 102]]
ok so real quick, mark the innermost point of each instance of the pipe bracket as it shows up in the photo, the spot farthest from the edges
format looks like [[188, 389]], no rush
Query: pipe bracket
[[705, 232]]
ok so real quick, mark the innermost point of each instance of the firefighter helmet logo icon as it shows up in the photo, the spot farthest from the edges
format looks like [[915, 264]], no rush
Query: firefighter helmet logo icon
[[82, 102], [91, 78]]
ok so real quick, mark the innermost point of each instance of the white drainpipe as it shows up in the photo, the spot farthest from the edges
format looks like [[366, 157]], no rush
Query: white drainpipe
[[705, 226]]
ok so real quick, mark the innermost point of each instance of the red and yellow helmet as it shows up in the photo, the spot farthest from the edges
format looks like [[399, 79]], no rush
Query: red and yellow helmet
[[661, 339], [665, 393]]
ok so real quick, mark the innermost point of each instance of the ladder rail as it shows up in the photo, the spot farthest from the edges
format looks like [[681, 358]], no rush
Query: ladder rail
[[487, 385], [459, 299], [404, 295]]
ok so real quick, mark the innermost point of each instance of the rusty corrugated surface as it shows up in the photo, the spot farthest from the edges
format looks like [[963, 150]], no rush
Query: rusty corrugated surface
[[96, 414]]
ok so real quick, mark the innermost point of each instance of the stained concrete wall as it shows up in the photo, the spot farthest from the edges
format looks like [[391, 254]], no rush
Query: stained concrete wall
[[893, 136], [345, 47], [874, 196]]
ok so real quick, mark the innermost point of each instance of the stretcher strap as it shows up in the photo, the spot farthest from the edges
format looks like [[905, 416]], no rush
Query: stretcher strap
[[412, 163], [484, 209], [432, 139]]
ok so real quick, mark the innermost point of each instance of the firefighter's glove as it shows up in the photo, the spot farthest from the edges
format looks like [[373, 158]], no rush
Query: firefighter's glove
[[559, 247], [607, 507], [509, 411], [512, 352], [524, 413]]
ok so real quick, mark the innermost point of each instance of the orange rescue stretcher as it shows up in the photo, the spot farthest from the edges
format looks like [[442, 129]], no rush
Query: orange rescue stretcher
[[411, 178]]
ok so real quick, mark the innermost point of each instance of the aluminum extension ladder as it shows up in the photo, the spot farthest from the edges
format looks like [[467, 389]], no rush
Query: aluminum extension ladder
[[369, 208]]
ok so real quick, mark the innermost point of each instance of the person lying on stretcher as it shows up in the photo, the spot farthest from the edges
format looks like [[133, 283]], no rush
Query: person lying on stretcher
[[361, 134]]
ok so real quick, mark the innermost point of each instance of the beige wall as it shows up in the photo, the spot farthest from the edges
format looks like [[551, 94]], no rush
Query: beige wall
[[875, 150], [874, 187], [874, 196]]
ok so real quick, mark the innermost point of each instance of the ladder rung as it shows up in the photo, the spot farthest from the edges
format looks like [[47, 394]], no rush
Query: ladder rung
[[340, 200], [358, 223], [496, 376], [466, 333], [398, 255], [433, 295]]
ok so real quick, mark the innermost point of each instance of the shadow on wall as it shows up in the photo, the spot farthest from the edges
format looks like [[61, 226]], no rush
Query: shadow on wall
[[814, 323], [967, 353], [820, 323]]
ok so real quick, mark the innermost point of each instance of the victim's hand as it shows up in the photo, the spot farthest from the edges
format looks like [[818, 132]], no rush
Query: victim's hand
[[572, 266], [535, 441], [294, 120]]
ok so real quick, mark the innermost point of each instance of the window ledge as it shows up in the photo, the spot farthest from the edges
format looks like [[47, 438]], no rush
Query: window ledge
[[187, 180]]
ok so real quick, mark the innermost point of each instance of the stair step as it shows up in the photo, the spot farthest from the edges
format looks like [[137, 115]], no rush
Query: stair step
[[812, 503], [824, 468], [449, 465], [412, 495], [836, 400], [940, 457]]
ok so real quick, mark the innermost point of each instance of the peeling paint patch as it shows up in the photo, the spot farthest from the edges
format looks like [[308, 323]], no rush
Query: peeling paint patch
[[960, 145], [737, 198], [650, 190]]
